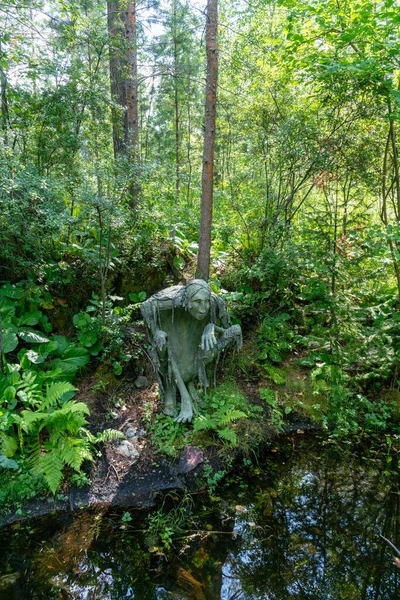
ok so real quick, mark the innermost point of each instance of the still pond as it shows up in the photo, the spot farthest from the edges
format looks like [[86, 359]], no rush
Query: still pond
[[304, 523]]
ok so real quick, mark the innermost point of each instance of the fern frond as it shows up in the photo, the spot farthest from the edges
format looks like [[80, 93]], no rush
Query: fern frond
[[29, 418], [55, 391], [204, 422], [231, 415], [71, 452], [74, 407], [51, 466], [34, 451], [107, 436], [229, 435]]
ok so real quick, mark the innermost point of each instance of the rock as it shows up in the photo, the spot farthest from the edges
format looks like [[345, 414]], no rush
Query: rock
[[132, 434], [127, 449], [141, 382], [190, 457]]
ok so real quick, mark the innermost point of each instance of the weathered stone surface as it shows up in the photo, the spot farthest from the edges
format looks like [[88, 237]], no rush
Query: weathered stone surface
[[132, 434], [127, 449], [190, 457], [141, 382]]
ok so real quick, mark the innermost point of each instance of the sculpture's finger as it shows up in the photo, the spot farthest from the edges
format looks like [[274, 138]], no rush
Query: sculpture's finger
[[214, 340]]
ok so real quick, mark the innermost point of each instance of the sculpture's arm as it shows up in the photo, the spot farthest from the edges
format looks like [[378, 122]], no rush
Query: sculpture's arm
[[208, 339], [150, 310]]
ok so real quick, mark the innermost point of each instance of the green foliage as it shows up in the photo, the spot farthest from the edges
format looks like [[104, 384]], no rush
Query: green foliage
[[168, 521], [102, 328], [168, 435], [40, 424], [223, 408], [276, 411]]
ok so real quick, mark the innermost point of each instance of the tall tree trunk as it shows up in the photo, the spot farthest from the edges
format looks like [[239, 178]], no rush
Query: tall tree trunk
[[117, 80], [132, 82], [4, 103], [132, 133], [176, 102], [122, 28], [203, 259]]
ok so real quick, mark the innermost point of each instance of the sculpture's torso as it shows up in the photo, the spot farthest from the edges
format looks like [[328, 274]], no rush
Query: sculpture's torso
[[184, 339]]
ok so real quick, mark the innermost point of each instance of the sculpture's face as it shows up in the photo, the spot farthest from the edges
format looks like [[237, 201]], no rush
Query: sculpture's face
[[199, 305]]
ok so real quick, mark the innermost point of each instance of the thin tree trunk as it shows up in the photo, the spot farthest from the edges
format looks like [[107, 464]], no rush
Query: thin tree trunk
[[391, 140], [132, 133], [117, 82], [4, 104], [176, 104], [132, 81], [189, 143], [203, 260]]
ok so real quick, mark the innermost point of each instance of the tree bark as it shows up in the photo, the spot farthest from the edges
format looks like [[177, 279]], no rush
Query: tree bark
[[203, 259], [116, 19], [122, 28], [132, 81]]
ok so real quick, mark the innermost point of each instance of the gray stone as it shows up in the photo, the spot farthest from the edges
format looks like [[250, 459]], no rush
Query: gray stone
[[141, 382], [127, 449], [182, 326], [132, 434], [190, 457]]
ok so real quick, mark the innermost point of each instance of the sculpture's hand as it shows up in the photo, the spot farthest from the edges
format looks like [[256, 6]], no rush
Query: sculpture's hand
[[160, 339], [208, 339]]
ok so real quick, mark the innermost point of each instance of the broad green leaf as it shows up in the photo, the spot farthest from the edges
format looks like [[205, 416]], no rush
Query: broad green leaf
[[30, 318], [10, 341], [29, 335], [62, 341], [35, 357], [7, 463], [87, 339], [72, 359], [9, 445]]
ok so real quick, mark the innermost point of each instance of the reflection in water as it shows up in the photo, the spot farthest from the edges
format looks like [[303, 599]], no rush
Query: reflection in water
[[307, 527]]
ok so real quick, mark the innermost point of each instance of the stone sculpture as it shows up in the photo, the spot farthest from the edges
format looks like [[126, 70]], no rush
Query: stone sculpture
[[188, 327]]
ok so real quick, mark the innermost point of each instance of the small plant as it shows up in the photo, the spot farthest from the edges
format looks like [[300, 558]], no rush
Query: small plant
[[212, 478], [168, 435], [223, 408], [164, 524], [276, 414]]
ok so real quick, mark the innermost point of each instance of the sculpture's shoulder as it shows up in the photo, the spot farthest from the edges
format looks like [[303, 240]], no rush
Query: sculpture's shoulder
[[220, 310], [169, 294], [166, 299]]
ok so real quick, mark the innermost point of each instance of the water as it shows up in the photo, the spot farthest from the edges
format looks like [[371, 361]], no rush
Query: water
[[304, 524]]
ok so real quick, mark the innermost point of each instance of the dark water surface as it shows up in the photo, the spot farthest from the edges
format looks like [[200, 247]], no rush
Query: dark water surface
[[305, 524]]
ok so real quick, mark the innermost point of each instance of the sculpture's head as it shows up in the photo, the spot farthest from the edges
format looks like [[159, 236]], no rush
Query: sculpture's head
[[198, 297]]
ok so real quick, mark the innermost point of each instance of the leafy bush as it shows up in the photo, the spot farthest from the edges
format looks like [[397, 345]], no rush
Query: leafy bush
[[39, 421]]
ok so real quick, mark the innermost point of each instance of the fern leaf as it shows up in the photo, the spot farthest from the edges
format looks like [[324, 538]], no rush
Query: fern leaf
[[74, 407], [231, 415], [107, 435], [72, 453], [51, 465], [55, 391], [28, 418], [204, 422], [228, 435], [34, 450]]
